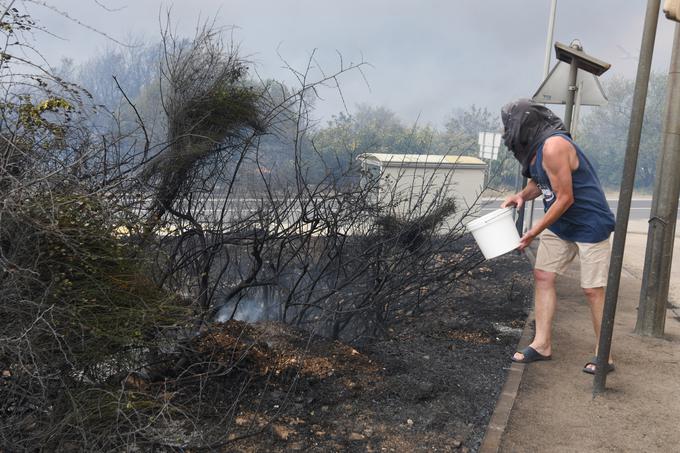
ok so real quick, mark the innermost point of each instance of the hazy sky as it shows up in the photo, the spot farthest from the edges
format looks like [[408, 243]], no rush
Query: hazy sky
[[427, 56]]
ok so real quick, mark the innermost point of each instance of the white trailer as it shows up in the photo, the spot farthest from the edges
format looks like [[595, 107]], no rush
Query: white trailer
[[414, 183]]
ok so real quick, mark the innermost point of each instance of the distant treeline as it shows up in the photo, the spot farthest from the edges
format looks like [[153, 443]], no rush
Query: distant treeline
[[602, 131]]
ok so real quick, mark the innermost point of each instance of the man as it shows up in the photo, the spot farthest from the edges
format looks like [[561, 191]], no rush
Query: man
[[577, 219]]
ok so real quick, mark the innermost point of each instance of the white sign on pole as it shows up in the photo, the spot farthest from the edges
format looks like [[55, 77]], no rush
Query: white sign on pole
[[489, 143], [554, 88]]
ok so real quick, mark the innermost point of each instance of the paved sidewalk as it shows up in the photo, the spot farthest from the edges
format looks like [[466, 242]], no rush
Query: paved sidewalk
[[554, 410]]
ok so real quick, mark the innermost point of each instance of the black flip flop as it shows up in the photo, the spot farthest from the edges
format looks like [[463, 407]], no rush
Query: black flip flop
[[531, 355], [593, 362]]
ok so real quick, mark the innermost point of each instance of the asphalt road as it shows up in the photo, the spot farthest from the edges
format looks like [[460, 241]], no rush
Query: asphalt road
[[639, 210]]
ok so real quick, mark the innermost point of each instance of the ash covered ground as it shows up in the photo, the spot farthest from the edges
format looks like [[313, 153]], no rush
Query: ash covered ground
[[430, 384]]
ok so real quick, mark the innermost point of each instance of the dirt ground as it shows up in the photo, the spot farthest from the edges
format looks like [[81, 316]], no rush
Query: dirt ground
[[555, 410], [430, 385]]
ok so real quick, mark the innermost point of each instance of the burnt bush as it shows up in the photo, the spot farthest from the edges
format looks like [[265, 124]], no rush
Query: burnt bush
[[119, 248]]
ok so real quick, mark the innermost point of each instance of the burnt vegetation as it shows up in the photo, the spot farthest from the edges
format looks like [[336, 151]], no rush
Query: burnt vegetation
[[126, 234]]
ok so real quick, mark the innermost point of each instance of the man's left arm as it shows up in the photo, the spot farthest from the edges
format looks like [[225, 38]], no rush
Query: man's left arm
[[558, 162]]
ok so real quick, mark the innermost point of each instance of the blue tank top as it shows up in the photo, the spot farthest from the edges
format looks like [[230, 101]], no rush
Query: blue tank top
[[589, 219]]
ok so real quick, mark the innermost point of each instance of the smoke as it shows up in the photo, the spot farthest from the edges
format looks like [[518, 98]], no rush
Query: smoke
[[248, 310], [259, 304]]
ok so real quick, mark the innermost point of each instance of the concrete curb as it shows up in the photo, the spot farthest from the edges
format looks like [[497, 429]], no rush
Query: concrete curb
[[506, 400]]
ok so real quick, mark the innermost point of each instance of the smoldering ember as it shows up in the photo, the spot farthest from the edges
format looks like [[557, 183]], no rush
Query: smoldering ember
[[192, 260]]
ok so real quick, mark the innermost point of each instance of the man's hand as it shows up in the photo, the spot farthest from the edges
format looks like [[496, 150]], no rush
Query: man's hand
[[513, 200], [525, 240]]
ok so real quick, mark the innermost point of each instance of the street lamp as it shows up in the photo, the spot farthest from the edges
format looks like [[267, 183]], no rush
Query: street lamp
[[574, 53], [576, 58]]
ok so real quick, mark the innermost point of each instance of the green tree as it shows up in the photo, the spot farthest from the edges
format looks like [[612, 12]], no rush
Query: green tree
[[370, 130], [461, 131], [604, 131]]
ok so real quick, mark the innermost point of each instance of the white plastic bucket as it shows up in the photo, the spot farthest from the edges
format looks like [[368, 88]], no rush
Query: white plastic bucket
[[495, 233]]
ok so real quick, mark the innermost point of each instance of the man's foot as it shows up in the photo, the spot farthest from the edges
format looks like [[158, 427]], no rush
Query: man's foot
[[528, 355], [591, 366]]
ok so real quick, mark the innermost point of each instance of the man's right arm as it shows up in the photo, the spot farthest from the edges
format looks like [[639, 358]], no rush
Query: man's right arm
[[530, 192]]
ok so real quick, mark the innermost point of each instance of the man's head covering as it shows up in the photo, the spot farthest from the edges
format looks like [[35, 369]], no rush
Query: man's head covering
[[527, 124]]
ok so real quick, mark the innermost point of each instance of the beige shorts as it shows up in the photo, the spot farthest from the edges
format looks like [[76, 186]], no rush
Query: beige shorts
[[555, 255]]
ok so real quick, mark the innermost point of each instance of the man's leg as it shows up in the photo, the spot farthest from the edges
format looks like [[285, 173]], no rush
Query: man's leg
[[595, 297], [544, 311], [594, 272]]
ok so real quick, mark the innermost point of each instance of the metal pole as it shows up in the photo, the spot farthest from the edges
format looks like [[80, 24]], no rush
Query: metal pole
[[626, 193], [660, 237], [546, 70], [569, 108], [520, 212], [577, 110], [518, 188], [549, 40]]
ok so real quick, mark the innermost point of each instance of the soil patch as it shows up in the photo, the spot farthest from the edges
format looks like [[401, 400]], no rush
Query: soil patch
[[430, 385]]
